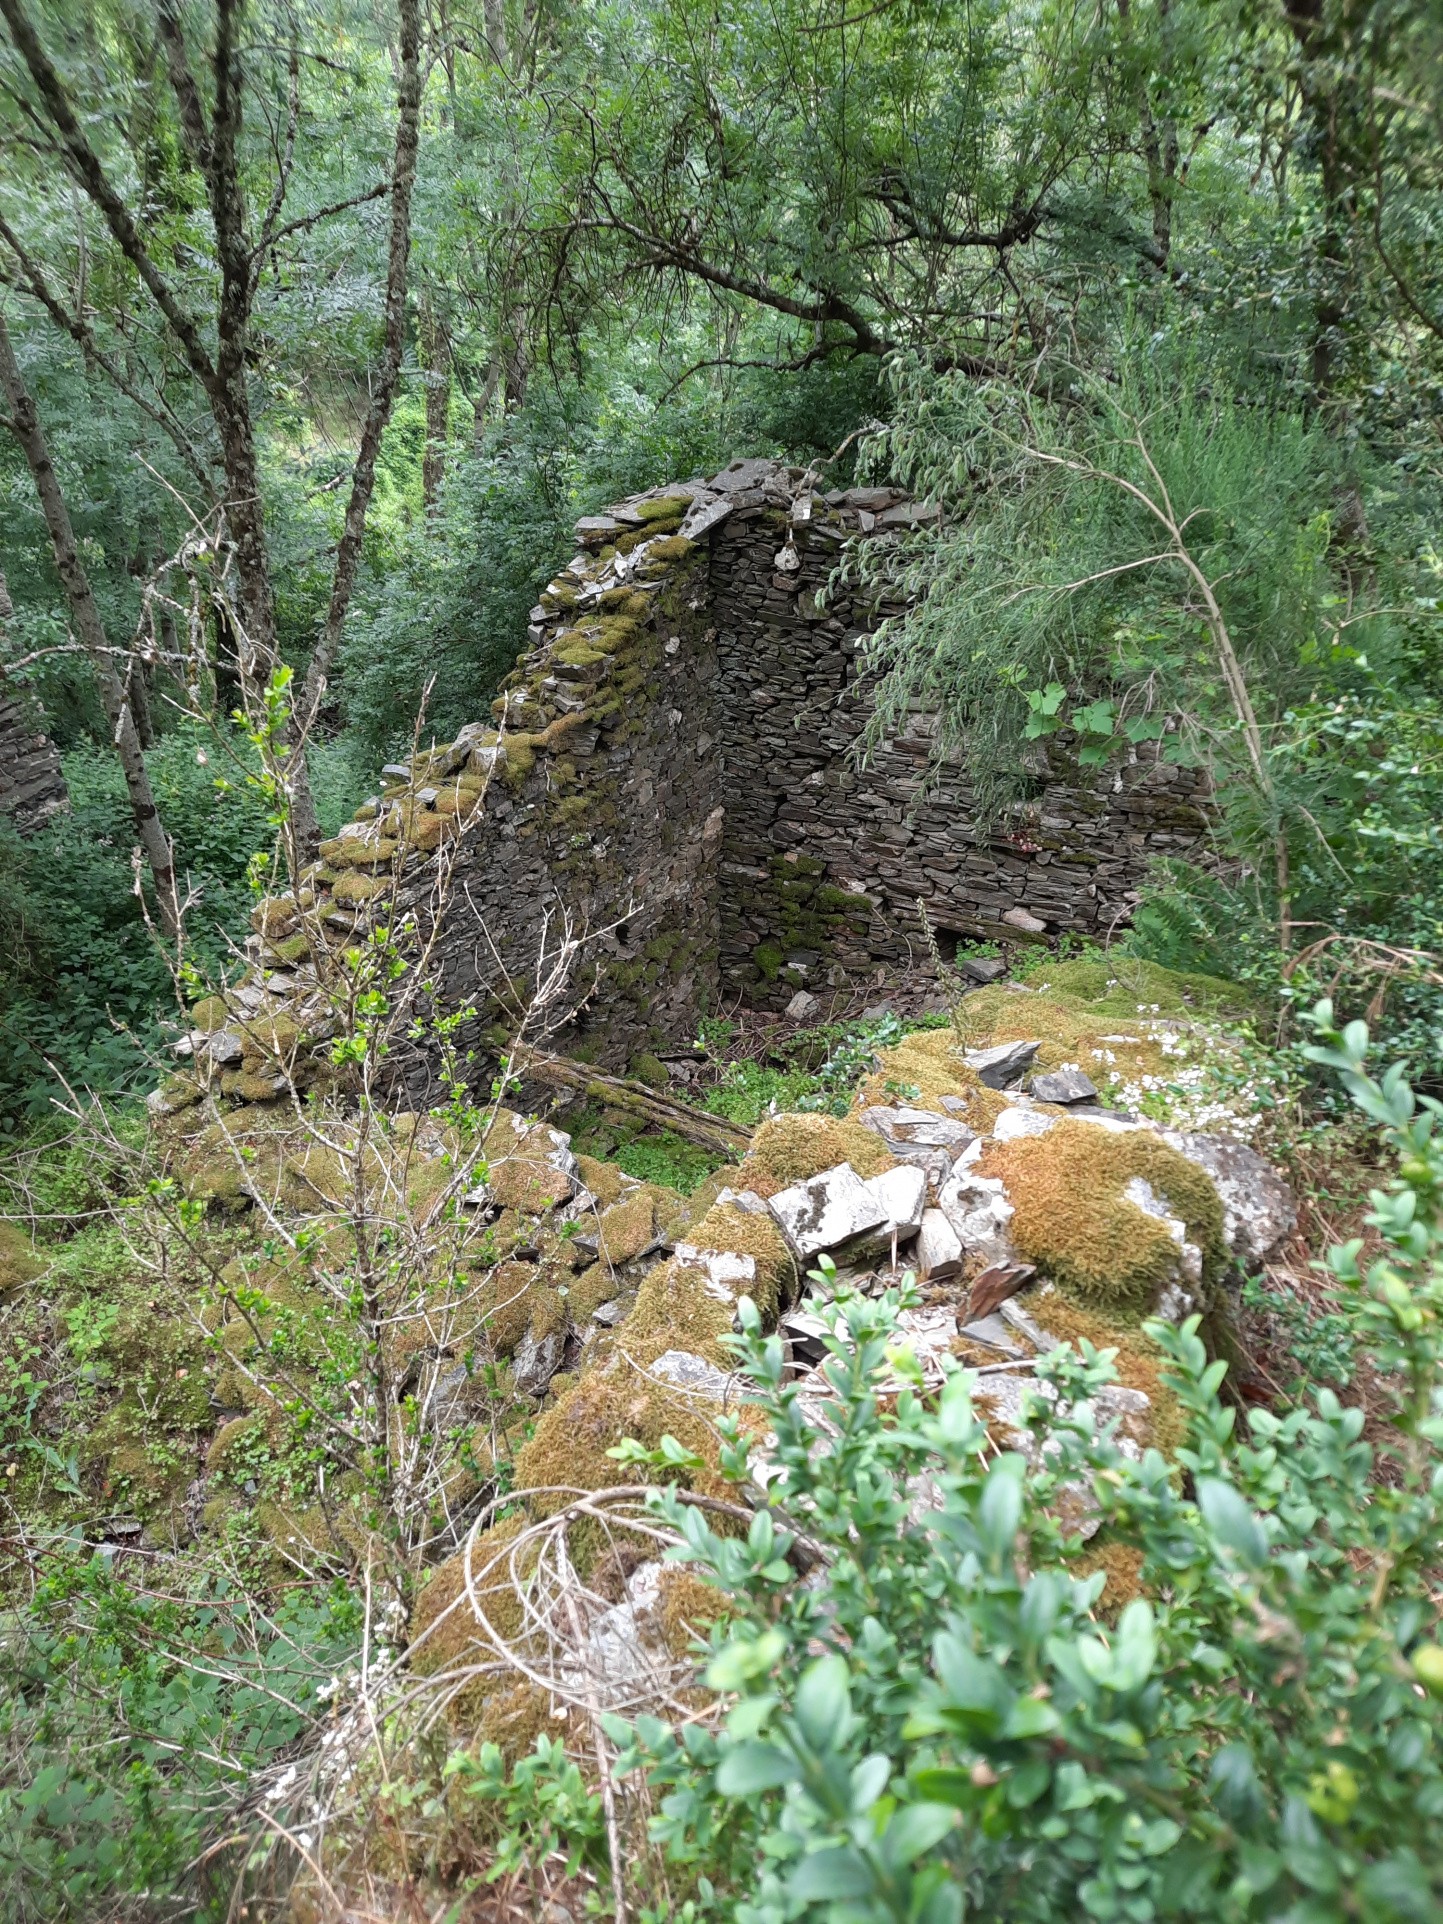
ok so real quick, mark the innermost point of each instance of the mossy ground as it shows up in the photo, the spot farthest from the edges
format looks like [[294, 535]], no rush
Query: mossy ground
[[789, 1148]]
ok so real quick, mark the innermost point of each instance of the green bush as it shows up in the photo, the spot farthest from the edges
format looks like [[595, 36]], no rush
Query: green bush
[[952, 1716], [129, 1722], [82, 982]]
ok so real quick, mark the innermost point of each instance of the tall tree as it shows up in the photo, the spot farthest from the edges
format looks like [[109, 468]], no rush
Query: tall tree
[[23, 421], [215, 331]]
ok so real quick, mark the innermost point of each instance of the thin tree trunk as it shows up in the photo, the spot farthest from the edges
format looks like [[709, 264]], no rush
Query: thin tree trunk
[[348, 555], [138, 695], [436, 362], [481, 406], [89, 628]]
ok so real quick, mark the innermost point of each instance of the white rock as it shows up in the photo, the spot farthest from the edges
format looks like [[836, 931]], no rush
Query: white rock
[[902, 1193], [1180, 1294], [827, 1211], [729, 1275], [695, 1376], [979, 1212], [1020, 918], [939, 1248], [1260, 1212], [1016, 1122], [803, 1005]]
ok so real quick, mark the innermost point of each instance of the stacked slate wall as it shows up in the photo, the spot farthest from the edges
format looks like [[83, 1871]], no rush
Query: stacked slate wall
[[671, 781], [826, 857]]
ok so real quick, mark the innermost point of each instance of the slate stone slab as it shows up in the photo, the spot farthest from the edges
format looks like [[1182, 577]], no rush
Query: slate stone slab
[[1064, 1086], [1002, 1065], [827, 1211]]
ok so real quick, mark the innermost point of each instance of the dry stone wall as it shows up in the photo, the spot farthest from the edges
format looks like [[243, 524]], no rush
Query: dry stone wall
[[32, 787], [671, 780]]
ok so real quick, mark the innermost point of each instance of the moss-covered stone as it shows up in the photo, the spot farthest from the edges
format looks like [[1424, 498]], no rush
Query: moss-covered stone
[[789, 1148], [667, 507], [276, 916], [355, 889], [605, 1181], [1073, 1220], [350, 852], [650, 1069], [628, 1226]]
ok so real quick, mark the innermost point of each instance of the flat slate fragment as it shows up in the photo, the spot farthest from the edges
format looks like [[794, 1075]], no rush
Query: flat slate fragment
[[1064, 1086], [827, 1210]]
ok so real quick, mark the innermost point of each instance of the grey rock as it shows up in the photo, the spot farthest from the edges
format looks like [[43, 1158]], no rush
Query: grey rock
[[902, 1193], [922, 1126], [694, 1375], [939, 1247], [741, 475], [1064, 1086], [803, 1006], [536, 1362], [702, 517], [1002, 1065], [983, 968], [1260, 1211], [992, 1331], [1026, 1326], [827, 1211]]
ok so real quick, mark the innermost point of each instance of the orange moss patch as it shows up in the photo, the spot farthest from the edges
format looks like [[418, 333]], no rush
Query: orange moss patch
[[686, 1609], [1139, 1365], [1122, 1563], [1073, 1220], [931, 1062], [444, 1627], [789, 1148]]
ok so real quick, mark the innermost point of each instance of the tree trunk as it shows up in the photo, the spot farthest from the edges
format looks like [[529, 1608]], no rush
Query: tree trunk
[[90, 630], [649, 1107], [1322, 38], [348, 555], [435, 359]]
